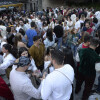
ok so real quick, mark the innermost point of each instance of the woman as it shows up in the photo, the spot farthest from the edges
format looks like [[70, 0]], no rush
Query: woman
[[24, 52], [47, 63], [9, 57], [23, 35], [50, 38], [69, 60], [18, 41]]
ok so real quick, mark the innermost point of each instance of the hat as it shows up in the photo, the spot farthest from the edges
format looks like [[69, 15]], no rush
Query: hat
[[23, 61]]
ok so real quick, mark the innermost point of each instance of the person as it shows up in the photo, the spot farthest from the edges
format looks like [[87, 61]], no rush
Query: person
[[5, 92], [2, 29], [86, 71], [9, 57], [30, 33], [18, 41], [86, 42], [58, 30], [24, 52], [54, 90], [89, 29], [20, 83], [10, 36], [37, 52], [50, 38]]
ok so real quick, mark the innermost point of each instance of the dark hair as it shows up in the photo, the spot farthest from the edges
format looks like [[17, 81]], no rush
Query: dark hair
[[94, 41], [21, 50], [99, 33], [11, 49], [8, 29], [95, 20], [87, 38], [58, 56], [35, 38], [22, 31], [50, 34], [33, 24], [17, 38], [1, 22], [49, 50], [68, 57]]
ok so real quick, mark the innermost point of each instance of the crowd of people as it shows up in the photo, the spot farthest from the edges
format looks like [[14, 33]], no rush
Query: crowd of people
[[42, 53]]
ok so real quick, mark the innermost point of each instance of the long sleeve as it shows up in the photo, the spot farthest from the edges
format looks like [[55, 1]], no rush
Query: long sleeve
[[29, 89], [9, 60], [46, 88]]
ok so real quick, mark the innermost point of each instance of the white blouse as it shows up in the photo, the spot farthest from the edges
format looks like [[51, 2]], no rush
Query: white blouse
[[49, 43], [7, 61]]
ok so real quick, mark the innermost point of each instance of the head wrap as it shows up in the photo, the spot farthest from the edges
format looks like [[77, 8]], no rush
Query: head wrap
[[23, 61]]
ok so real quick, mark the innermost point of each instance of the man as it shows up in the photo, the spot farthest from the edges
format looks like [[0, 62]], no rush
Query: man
[[37, 52], [89, 29], [20, 83], [58, 30], [30, 33], [86, 71], [58, 84], [86, 42]]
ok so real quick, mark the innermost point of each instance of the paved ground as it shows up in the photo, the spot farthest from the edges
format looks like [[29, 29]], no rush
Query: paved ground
[[76, 97]]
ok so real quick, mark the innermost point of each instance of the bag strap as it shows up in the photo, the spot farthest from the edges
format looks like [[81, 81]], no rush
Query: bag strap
[[65, 76]]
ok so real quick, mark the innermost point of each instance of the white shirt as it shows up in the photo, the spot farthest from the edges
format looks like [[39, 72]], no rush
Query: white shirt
[[22, 87], [3, 30], [77, 25], [48, 43], [56, 86], [7, 61], [33, 66]]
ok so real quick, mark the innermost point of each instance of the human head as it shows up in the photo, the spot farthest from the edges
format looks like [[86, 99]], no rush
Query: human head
[[32, 24], [21, 22], [57, 58], [37, 40], [87, 25], [87, 38], [6, 48], [94, 42], [23, 52], [17, 38], [68, 56], [49, 50], [22, 31], [8, 29], [24, 63], [50, 34]]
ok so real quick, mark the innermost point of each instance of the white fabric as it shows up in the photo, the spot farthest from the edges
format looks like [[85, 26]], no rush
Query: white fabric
[[27, 26], [22, 87], [52, 25], [7, 61], [56, 86], [33, 66], [77, 57], [77, 25], [48, 43], [97, 67], [3, 30], [73, 18], [46, 64]]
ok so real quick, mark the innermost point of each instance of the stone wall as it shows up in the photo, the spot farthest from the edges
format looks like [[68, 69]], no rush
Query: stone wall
[[52, 3]]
